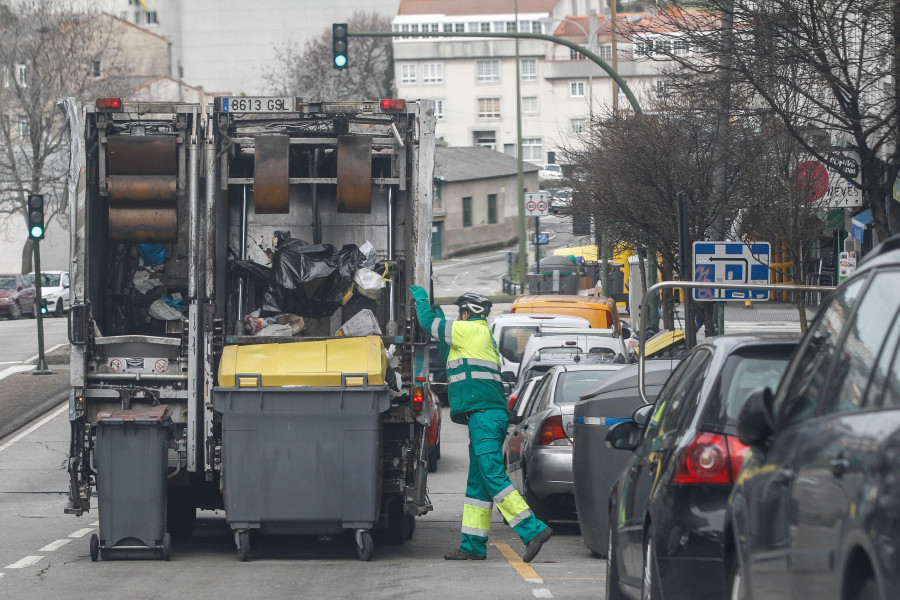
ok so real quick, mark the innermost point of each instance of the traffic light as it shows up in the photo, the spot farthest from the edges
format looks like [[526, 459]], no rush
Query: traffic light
[[36, 216], [339, 44], [43, 306]]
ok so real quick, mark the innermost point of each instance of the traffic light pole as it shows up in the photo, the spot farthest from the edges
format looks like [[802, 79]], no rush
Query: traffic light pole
[[41, 367]]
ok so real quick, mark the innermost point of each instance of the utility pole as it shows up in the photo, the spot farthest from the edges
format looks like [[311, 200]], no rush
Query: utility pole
[[520, 173]]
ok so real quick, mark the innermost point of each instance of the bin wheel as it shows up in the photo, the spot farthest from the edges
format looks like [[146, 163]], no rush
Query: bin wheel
[[167, 547], [242, 539], [364, 544], [95, 548]]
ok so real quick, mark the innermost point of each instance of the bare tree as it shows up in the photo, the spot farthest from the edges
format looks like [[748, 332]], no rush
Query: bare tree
[[840, 57], [47, 51], [308, 73]]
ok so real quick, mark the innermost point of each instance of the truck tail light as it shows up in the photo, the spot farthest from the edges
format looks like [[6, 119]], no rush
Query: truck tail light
[[393, 104], [552, 432], [710, 458], [109, 103], [418, 398]]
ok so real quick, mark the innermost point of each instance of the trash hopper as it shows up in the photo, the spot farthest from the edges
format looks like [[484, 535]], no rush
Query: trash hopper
[[132, 465]]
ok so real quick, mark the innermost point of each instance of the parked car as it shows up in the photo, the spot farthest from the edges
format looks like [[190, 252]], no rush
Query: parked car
[[539, 448], [517, 406], [513, 330], [17, 296], [551, 172], [815, 511], [54, 290], [602, 342], [560, 200], [544, 360], [601, 312], [667, 508], [595, 466]]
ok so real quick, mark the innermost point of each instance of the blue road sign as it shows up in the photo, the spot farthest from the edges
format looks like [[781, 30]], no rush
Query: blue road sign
[[731, 262], [539, 238]]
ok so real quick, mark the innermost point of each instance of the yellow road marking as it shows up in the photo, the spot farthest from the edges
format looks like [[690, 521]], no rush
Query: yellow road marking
[[521, 567], [574, 578]]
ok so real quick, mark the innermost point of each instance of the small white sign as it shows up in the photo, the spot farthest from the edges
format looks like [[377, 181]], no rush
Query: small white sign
[[537, 204]]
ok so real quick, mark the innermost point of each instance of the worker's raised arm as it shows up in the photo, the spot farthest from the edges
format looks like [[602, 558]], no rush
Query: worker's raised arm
[[433, 323]]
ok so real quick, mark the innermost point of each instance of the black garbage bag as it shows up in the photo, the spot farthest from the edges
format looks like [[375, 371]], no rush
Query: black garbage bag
[[309, 280]]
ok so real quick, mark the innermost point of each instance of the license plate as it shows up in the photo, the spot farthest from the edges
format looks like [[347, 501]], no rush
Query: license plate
[[255, 105]]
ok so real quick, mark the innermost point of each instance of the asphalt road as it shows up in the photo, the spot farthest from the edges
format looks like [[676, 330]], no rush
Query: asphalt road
[[45, 553], [18, 339]]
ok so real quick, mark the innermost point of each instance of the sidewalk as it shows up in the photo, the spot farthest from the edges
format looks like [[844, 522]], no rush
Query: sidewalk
[[25, 396]]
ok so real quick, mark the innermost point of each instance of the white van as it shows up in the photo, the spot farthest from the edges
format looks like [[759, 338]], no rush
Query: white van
[[55, 290], [603, 344], [513, 330]]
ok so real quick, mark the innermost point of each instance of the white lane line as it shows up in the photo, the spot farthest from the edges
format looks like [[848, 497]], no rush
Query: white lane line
[[46, 352], [95, 523], [37, 425], [17, 369], [53, 546], [81, 532], [10, 362], [542, 593], [25, 562]]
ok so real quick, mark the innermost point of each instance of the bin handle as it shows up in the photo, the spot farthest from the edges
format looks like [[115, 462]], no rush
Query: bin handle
[[239, 376], [364, 376]]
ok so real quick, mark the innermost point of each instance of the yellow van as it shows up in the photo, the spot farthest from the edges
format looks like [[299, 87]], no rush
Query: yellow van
[[600, 311]]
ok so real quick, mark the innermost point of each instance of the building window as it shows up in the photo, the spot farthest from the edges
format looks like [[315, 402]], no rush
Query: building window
[[605, 51], [510, 26], [531, 149], [23, 125], [97, 68], [459, 27], [499, 26], [487, 70], [151, 18], [662, 47], [642, 48], [448, 27], [407, 72], [492, 208], [435, 27], [467, 211], [578, 125], [138, 17], [662, 86], [486, 139], [433, 72], [576, 55], [414, 28], [489, 108], [439, 110], [681, 48], [529, 69], [22, 74], [485, 27], [576, 89], [529, 105]]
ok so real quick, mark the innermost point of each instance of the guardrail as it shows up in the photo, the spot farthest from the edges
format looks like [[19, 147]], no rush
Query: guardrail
[[707, 285]]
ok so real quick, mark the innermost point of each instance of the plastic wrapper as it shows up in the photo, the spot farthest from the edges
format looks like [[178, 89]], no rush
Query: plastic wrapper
[[369, 283], [368, 251], [275, 330], [361, 324], [164, 311], [152, 254], [310, 280], [143, 283]]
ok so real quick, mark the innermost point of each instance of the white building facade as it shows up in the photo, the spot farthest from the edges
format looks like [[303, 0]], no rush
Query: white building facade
[[473, 80]]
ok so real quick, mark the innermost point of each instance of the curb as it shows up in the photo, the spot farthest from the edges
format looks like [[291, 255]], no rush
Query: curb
[[20, 420]]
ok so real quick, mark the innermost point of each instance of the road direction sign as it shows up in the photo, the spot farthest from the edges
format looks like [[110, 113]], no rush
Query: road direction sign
[[537, 204], [731, 262], [539, 238]]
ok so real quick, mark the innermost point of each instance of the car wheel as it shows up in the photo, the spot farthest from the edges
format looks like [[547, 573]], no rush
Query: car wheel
[[613, 591], [867, 591], [59, 308], [16, 312], [650, 580]]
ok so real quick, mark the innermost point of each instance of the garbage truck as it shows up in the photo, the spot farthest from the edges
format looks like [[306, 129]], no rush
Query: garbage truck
[[239, 298]]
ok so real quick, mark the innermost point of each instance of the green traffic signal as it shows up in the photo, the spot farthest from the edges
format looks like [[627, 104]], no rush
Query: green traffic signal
[[36, 216], [339, 45]]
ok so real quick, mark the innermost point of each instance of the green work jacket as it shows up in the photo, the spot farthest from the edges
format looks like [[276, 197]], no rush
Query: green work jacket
[[473, 362]]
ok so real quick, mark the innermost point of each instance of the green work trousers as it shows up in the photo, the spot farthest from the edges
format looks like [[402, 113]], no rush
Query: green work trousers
[[489, 484]]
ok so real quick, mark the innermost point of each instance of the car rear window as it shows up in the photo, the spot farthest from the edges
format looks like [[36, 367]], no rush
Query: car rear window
[[512, 341], [572, 384], [743, 373]]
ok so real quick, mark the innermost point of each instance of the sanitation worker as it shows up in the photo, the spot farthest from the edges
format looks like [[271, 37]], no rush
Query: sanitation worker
[[477, 400]]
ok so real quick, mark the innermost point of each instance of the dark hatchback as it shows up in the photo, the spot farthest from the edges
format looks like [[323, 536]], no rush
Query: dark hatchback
[[816, 510], [667, 510]]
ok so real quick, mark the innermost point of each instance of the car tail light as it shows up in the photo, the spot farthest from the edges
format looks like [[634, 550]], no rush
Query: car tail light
[[710, 458], [109, 103], [393, 104], [512, 401], [552, 433]]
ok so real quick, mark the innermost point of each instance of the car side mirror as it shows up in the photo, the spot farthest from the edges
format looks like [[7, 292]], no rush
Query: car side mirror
[[756, 421], [65, 285], [642, 414], [507, 388], [623, 436], [508, 377]]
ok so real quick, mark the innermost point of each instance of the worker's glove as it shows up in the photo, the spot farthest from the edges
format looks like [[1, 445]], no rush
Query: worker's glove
[[418, 293]]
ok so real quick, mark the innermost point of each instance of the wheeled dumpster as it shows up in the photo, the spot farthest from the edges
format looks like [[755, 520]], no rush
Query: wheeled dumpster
[[302, 460], [594, 466], [132, 465]]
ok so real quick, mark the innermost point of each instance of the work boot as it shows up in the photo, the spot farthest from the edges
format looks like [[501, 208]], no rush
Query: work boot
[[460, 555], [534, 546]]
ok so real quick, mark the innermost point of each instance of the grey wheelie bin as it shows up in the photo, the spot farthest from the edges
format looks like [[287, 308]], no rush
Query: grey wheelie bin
[[302, 460], [132, 468], [594, 466]]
